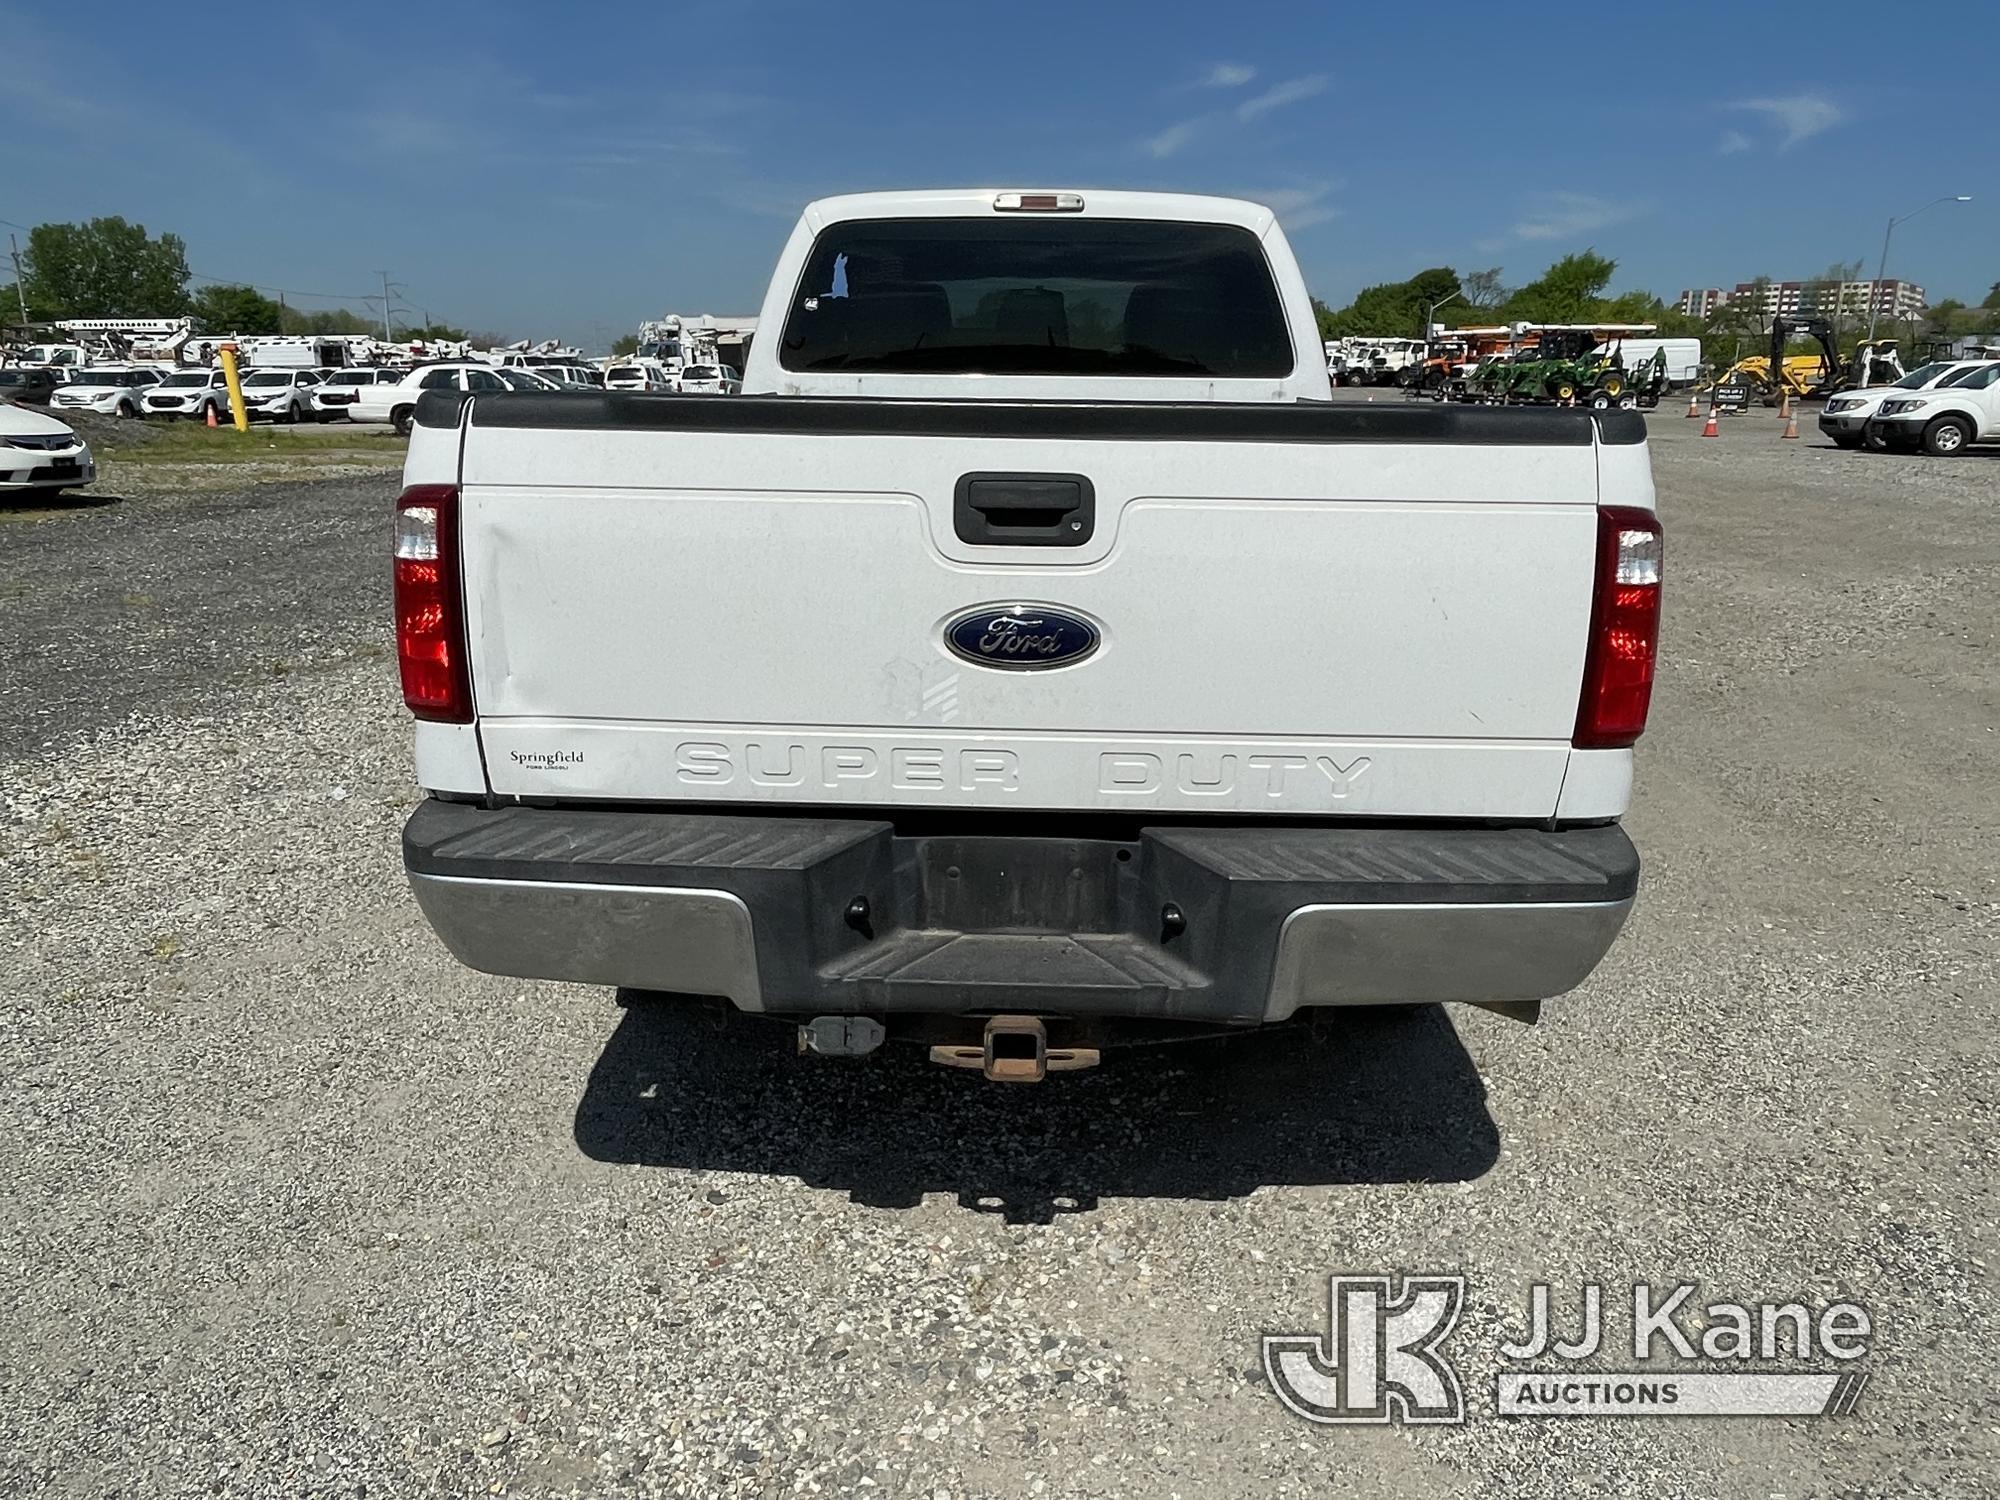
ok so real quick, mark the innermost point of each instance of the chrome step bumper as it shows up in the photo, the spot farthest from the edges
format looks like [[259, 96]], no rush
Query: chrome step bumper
[[1227, 924]]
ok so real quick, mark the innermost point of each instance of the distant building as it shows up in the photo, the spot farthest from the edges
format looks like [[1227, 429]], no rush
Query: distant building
[[1847, 299]]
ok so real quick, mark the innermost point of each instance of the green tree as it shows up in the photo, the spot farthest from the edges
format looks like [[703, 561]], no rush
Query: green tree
[[628, 344], [1570, 291], [1947, 318], [1992, 296], [10, 305], [433, 333], [235, 309], [106, 268], [335, 320], [1390, 308]]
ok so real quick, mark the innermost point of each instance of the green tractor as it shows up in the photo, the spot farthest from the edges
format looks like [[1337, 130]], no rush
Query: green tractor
[[1565, 366]]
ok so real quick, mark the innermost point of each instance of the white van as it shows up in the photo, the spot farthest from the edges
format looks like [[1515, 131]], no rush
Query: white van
[[1683, 356]]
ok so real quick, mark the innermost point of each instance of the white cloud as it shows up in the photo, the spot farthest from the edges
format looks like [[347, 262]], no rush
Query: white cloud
[[1562, 216], [1174, 137], [1799, 117], [1301, 207], [1228, 75], [1279, 95], [1734, 141]]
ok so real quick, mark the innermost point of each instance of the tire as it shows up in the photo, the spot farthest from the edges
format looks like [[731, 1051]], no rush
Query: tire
[[1845, 439], [127, 412], [1627, 401], [1947, 437], [1600, 401], [1562, 390], [400, 420]]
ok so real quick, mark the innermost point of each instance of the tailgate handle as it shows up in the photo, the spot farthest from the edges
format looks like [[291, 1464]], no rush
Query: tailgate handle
[[1024, 510]]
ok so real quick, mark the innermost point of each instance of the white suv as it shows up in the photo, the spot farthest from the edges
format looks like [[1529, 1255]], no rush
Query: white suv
[[638, 375], [1943, 421], [708, 380], [279, 395], [190, 393], [397, 402], [334, 396], [1845, 417], [115, 391]]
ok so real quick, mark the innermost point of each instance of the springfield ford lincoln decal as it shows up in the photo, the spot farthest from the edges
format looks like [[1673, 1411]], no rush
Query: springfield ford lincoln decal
[[1020, 637]]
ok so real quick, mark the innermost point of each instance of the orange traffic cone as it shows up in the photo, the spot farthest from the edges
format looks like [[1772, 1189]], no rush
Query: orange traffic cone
[[1709, 429], [211, 417], [1785, 403], [1693, 410], [1791, 426]]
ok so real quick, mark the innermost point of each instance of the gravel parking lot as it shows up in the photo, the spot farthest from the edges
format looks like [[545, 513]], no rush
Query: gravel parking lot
[[297, 1206]]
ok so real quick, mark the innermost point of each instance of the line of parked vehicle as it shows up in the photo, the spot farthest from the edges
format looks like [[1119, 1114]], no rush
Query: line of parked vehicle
[[1941, 408], [328, 394]]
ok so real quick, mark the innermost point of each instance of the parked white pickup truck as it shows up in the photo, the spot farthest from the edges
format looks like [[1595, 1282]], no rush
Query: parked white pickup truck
[[1033, 654]]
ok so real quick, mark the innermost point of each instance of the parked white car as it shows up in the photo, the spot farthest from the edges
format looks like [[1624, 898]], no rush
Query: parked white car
[[189, 393], [1943, 421], [279, 395], [537, 381], [333, 398], [397, 402], [638, 375], [1845, 417], [39, 453], [115, 390], [709, 380]]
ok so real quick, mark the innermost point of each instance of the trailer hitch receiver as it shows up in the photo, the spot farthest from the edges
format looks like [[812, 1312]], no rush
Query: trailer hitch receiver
[[1015, 1049]]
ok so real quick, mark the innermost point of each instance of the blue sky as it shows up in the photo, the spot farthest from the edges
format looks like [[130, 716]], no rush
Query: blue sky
[[568, 170]]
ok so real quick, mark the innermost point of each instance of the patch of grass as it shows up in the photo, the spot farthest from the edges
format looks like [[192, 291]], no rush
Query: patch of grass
[[192, 443]]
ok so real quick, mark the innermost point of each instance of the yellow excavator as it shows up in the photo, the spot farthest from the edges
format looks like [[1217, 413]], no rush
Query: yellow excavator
[[1812, 375]]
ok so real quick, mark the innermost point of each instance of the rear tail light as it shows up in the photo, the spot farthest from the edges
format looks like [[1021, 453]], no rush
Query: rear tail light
[[430, 610], [1624, 630]]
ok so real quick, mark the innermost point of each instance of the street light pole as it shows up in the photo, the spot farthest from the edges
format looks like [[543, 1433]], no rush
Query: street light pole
[[1431, 312], [1882, 266]]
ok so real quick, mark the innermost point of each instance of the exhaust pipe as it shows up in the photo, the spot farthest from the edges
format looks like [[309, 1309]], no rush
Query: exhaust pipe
[[1015, 1049]]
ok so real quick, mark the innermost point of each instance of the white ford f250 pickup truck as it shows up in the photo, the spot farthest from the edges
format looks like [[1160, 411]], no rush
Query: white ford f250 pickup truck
[[1034, 652]]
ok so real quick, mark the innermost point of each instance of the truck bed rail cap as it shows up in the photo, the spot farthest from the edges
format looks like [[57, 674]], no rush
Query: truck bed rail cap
[[1155, 421]]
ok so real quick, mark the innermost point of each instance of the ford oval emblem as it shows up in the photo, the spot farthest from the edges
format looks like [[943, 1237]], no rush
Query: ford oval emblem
[[1020, 637]]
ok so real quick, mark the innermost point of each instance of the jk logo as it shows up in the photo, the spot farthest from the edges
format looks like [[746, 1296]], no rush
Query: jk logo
[[1378, 1360]]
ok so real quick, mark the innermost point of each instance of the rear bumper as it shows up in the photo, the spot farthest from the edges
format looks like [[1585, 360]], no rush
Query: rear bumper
[[806, 916]]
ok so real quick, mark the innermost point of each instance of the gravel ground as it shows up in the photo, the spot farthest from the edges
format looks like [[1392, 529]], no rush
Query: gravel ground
[[296, 1206]]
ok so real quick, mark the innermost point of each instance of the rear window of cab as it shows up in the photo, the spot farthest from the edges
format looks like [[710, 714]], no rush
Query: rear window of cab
[[1037, 296]]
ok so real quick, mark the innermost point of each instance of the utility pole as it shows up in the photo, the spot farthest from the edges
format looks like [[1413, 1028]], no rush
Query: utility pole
[[19, 290], [1882, 266], [387, 337]]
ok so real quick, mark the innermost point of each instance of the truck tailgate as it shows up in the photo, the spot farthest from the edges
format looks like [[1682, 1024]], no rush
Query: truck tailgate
[[1359, 611]]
